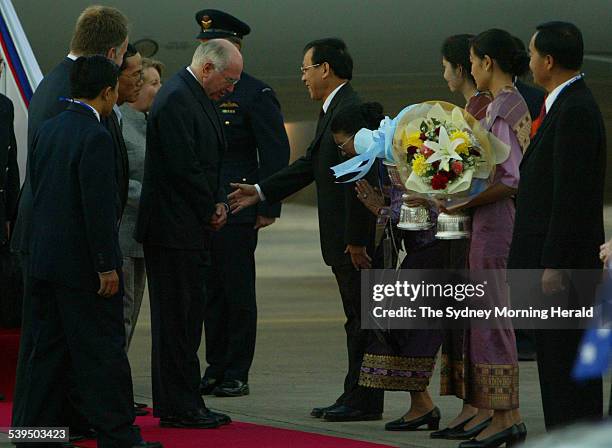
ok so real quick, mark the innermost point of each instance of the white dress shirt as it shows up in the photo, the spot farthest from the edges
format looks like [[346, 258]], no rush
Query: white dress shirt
[[552, 96]]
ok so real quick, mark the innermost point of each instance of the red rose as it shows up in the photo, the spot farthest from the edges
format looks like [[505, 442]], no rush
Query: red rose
[[411, 150], [423, 136], [438, 131], [436, 165], [457, 167], [439, 181]]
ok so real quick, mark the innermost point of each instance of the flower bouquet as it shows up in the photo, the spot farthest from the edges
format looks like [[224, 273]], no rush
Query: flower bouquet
[[441, 151]]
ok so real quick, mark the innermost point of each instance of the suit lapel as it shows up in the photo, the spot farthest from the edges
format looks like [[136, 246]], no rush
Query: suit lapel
[[551, 116], [340, 95], [207, 104]]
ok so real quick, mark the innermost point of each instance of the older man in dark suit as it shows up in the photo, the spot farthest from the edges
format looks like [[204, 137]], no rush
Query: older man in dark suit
[[181, 203], [559, 215], [75, 262], [346, 226]]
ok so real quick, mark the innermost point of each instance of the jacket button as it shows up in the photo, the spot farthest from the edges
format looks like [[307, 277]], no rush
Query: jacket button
[[244, 179], [227, 123]]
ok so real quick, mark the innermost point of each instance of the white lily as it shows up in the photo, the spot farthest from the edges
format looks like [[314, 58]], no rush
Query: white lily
[[444, 149]]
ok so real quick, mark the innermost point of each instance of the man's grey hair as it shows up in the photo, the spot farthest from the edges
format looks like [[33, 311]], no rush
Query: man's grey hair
[[215, 51]]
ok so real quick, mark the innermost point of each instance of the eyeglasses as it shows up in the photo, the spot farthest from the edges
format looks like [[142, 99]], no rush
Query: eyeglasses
[[305, 69], [231, 81], [136, 76], [341, 146]]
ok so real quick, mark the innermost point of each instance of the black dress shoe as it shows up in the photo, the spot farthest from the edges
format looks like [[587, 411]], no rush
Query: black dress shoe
[[318, 412], [207, 385], [510, 436], [223, 419], [444, 433], [202, 419], [144, 444], [140, 412], [431, 419], [469, 433], [344, 413], [231, 388]]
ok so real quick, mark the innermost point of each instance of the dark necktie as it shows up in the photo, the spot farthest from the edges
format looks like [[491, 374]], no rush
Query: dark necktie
[[538, 121], [320, 121]]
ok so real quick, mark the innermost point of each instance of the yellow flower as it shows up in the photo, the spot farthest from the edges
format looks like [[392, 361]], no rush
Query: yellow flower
[[411, 139], [419, 165], [463, 148]]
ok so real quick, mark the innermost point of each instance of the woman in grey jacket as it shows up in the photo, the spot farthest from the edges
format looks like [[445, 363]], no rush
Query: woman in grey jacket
[[134, 133]]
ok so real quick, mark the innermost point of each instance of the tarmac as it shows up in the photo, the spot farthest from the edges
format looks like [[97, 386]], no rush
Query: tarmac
[[300, 358]]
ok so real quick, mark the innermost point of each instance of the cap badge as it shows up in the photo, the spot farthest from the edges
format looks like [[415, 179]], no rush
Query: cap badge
[[206, 22]]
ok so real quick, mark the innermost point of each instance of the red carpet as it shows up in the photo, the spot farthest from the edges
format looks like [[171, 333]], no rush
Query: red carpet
[[235, 435], [9, 348]]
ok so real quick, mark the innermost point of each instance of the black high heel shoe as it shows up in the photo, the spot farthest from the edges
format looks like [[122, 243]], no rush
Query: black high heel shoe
[[511, 436], [470, 433], [446, 432], [431, 419]]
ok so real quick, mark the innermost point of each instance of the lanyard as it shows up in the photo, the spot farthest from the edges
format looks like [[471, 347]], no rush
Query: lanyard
[[72, 100]]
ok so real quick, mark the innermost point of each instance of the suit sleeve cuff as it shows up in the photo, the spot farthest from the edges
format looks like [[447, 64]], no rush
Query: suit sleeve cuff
[[262, 197]]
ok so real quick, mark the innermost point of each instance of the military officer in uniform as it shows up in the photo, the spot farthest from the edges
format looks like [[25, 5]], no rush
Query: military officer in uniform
[[257, 148]]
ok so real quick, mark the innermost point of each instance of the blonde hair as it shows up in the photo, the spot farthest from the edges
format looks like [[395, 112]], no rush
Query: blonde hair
[[153, 63], [97, 30]]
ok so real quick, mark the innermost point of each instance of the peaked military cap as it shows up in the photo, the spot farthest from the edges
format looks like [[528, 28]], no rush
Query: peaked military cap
[[218, 24]]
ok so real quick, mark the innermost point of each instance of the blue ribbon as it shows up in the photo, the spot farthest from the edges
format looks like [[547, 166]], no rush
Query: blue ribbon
[[370, 145]]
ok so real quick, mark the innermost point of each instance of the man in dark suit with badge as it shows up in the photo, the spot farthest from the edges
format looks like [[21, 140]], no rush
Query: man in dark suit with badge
[[75, 263], [181, 203], [346, 226], [559, 215], [257, 147]]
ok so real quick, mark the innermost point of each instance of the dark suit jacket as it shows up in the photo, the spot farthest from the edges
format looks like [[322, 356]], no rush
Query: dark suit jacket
[[44, 104], [257, 143], [342, 217], [9, 170], [533, 96], [122, 166], [559, 214], [185, 143], [74, 233]]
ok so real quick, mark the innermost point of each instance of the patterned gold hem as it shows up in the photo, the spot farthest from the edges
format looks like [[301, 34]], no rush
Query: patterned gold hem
[[396, 372], [494, 386], [452, 377]]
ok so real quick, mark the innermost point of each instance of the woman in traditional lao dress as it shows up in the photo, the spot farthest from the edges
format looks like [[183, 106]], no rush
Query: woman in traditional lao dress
[[395, 360], [457, 73], [491, 370]]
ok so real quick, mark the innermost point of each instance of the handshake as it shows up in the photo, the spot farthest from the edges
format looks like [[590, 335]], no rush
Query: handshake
[[243, 196]]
